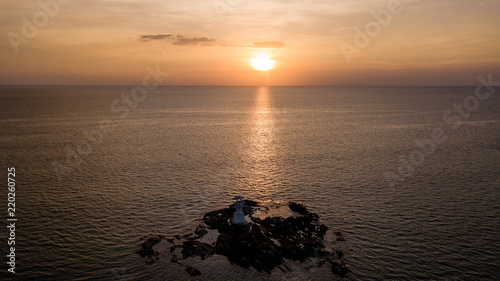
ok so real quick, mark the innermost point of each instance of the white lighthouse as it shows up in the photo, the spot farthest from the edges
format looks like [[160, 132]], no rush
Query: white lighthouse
[[239, 217]]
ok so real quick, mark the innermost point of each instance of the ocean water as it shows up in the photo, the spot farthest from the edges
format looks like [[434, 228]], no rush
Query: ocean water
[[96, 172]]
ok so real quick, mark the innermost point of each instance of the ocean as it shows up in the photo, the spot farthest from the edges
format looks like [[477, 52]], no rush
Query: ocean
[[409, 175]]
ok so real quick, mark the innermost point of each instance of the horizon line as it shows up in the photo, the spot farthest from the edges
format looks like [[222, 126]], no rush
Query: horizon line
[[132, 85]]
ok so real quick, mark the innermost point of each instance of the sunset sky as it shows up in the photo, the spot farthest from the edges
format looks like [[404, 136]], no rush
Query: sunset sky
[[206, 42]]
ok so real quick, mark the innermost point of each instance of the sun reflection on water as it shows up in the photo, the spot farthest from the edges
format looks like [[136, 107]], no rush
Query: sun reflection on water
[[262, 151], [262, 131]]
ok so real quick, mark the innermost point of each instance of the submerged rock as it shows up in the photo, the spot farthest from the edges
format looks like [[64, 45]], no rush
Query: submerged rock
[[196, 248], [339, 268], [263, 243], [192, 271], [147, 250]]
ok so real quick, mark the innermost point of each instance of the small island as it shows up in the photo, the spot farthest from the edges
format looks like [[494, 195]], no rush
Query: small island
[[264, 240]]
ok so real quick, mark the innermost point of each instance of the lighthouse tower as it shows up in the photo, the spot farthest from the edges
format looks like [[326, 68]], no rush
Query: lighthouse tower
[[239, 217]]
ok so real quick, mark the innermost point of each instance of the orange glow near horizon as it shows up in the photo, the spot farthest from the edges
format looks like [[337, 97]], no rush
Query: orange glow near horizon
[[344, 43]]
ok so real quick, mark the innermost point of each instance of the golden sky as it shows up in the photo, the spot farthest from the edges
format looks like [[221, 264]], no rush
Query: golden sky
[[211, 42]]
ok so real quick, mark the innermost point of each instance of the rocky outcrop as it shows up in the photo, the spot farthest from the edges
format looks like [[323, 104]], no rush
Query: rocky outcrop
[[263, 243], [247, 245]]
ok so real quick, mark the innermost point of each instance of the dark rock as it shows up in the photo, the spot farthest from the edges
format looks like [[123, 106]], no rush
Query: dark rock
[[219, 218], [250, 203], [192, 271], [173, 258], [336, 254], [339, 236], [247, 246], [196, 248], [339, 268], [171, 240], [323, 229], [146, 250], [200, 230], [323, 254], [299, 208], [172, 249]]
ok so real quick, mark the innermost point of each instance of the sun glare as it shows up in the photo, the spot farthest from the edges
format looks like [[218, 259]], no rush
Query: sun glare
[[262, 62]]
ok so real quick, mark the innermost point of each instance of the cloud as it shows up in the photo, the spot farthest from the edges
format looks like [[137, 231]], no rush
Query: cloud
[[147, 38], [181, 40], [185, 41], [268, 44]]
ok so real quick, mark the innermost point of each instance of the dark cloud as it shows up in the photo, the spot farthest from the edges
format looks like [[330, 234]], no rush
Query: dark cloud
[[268, 44], [147, 38], [181, 40], [185, 41]]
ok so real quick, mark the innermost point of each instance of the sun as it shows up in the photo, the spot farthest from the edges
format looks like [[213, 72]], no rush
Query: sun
[[262, 62]]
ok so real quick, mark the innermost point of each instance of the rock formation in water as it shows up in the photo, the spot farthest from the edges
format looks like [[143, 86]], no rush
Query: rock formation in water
[[264, 243]]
